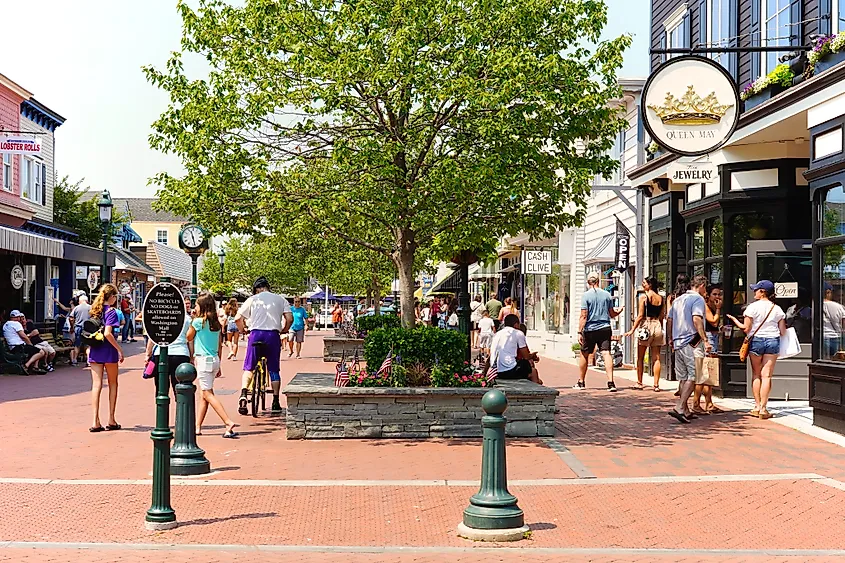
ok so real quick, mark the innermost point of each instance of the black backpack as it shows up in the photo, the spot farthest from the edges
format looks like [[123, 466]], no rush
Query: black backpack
[[93, 332]]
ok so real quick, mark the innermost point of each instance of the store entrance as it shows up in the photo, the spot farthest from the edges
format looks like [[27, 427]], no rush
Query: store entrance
[[789, 264]]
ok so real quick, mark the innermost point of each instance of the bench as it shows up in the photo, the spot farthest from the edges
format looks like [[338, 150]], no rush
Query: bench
[[9, 362], [62, 346]]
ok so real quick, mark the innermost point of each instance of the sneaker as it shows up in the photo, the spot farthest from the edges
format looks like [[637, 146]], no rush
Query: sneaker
[[579, 385], [276, 406], [611, 386], [242, 405], [50, 368]]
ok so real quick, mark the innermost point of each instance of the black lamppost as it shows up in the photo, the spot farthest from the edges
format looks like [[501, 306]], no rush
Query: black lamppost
[[221, 257], [105, 207]]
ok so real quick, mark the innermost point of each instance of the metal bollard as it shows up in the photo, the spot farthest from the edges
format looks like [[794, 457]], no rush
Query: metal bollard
[[161, 515], [186, 458], [493, 514]]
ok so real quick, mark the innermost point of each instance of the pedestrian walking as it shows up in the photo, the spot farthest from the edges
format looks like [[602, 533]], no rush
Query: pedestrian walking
[[487, 330], [337, 316], [105, 356], [126, 313], [509, 309], [685, 327], [233, 335], [764, 324], [77, 317], [476, 308], [710, 367], [425, 314], [494, 307], [205, 334], [648, 328], [594, 329], [296, 336]]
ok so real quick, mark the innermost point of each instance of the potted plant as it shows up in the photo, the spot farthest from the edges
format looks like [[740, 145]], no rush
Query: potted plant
[[576, 349], [828, 51], [767, 87], [651, 150]]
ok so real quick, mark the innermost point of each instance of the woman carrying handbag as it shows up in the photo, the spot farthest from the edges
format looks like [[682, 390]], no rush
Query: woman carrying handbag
[[765, 323]]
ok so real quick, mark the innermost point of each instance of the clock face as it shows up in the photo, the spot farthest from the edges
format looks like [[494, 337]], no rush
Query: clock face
[[192, 237]]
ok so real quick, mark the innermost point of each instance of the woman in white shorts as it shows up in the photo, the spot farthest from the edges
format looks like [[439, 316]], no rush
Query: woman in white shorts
[[205, 335]]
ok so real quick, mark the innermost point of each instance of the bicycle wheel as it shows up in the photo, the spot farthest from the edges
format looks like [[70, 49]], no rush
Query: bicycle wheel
[[265, 381], [257, 389]]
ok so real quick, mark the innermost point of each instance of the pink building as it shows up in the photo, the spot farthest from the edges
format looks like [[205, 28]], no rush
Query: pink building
[[13, 211]]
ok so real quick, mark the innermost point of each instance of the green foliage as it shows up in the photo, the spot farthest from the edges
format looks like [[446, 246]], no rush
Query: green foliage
[[418, 375], [424, 345], [462, 376], [782, 75], [83, 217], [248, 258], [399, 127], [366, 323]]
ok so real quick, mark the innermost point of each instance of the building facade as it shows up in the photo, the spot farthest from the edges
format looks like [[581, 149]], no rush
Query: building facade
[[772, 211], [161, 227]]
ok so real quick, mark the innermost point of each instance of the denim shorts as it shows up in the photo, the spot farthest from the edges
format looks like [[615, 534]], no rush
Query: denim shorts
[[761, 346]]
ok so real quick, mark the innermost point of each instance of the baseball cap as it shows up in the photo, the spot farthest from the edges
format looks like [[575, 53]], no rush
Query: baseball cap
[[15, 313], [259, 283], [828, 286], [593, 276], [764, 284]]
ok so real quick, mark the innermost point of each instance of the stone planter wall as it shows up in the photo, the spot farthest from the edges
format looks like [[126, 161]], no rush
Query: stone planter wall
[[335, 346], [318, 409]]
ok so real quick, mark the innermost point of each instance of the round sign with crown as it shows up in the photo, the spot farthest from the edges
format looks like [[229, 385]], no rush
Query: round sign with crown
[[690, 105]]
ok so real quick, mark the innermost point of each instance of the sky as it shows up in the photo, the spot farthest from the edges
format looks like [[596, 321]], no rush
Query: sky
[[83, 60]]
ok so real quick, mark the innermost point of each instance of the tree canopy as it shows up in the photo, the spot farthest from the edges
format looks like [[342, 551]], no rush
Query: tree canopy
[[398, 126], [83, 217]]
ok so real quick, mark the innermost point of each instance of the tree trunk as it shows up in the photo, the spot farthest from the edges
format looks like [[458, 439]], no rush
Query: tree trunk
[[404, 260]]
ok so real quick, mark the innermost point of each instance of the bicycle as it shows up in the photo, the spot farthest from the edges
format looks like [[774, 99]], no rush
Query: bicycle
[[260, 381]]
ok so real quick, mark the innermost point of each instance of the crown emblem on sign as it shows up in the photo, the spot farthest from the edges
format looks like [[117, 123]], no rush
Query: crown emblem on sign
[[691, 109]]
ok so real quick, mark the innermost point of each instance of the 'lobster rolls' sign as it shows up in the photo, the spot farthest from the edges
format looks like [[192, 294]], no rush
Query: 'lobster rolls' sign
[[17, 145]]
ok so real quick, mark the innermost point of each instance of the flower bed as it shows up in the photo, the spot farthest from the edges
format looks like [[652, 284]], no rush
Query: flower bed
[[316, 409]]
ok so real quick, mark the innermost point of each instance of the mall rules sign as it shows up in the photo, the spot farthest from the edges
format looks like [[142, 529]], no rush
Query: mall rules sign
[[538, 262], [164, 313]]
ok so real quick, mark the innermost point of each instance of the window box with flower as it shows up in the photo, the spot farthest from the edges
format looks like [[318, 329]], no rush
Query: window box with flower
[[767, 87], [828, 51]]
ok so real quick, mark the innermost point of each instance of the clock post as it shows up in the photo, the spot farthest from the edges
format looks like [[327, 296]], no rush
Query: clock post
[[193, 239]]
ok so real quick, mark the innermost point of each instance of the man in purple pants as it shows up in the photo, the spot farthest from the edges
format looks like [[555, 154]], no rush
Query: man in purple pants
[[269, 317]]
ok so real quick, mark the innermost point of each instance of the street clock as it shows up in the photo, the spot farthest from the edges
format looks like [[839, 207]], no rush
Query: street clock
[[193, 239]]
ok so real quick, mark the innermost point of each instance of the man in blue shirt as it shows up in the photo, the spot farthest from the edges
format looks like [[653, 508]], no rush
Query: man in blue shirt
[[297, 328], [594, 329], [685, 331]]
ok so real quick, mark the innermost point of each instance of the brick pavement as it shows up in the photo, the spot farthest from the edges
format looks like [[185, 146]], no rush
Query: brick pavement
[[626, 434]]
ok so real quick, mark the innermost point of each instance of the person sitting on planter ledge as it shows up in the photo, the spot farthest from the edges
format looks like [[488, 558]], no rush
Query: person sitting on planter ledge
[[509, 351]]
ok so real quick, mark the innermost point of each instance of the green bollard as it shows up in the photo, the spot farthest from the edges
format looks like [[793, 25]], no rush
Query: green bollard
[[186, 458], [161, 515], [493, 514]]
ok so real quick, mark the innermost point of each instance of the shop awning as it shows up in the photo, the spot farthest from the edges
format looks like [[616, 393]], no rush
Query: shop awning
[[170, 262], [485, 272], [125, 260], [602, 252], [85, 254], [447, 284], [28, 243]]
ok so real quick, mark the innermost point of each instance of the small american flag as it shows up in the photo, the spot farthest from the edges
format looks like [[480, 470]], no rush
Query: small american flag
[[386, 366], [492, 373], [341, 375]]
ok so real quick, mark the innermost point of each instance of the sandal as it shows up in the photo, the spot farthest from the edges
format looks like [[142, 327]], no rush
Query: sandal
[[754, 412], [230, 434], [714, 410], [766, 415], [96, 429], [657, 389], [113, 427], [699, 410], [638, 386]]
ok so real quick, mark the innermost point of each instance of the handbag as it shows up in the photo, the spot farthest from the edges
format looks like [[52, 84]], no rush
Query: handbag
[[789, 345], [746, 344]]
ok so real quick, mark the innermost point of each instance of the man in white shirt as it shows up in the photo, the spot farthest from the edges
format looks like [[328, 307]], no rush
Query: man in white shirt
[[77, 317], [19, 343], [269, 316], [509, 351]]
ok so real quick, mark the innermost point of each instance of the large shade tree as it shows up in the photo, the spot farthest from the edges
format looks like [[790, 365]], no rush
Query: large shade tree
[[399, 126]]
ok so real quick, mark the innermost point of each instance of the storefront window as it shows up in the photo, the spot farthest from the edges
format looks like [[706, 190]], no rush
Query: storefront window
[[833, 220], [660, 264], [717, 237], [736, 303], [750, 226], [697, 241], [557, 302], [833, 320]]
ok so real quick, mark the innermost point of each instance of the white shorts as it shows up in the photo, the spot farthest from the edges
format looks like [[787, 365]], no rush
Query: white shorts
[[46, 347], [484, 339], [207, 368]]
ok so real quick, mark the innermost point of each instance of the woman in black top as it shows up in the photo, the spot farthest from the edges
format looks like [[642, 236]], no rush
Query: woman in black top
[[650, 338]]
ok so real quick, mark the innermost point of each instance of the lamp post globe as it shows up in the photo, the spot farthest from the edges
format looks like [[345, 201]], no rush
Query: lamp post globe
[[105, 206]]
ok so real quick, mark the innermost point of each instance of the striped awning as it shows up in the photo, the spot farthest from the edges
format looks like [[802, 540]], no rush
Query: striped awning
[[28, 243], [602, 252]]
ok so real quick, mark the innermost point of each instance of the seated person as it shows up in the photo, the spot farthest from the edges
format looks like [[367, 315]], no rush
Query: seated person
[[38, 342], [534, 356], [509, 350], [19, 343]]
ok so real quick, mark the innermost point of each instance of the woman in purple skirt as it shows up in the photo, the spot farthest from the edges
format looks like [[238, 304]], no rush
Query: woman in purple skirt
[[105, 356]]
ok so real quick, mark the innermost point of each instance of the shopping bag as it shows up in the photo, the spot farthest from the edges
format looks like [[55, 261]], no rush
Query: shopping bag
[[789, 345], [711, 367]]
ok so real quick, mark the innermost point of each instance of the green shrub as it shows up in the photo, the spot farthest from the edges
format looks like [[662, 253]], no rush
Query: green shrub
[[419, 345], [368, 323]]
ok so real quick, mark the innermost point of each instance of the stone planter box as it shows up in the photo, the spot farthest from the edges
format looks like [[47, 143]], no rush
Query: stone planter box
[[763, 96], [829, 62], [318, 409], [335, 346]]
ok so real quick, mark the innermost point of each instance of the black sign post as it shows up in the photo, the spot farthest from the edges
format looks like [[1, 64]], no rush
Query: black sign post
[[164, 316]]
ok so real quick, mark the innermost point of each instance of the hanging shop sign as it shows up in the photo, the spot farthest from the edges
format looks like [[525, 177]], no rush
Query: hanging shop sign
[[786, 290], [17, 145], [93, 279], [623, 246], [692, 172], [690, 105], [17, 276], [537, 262]]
